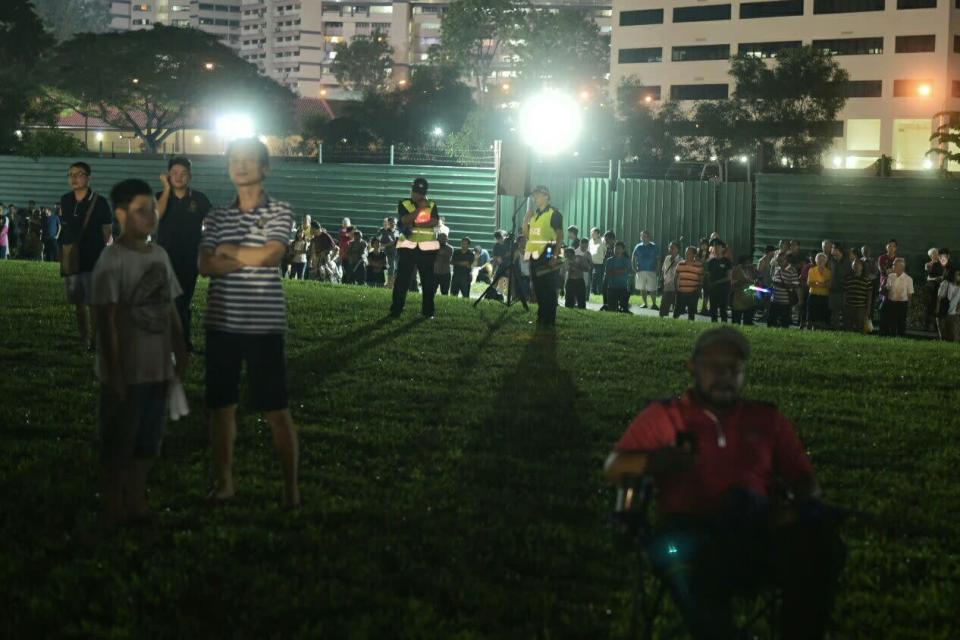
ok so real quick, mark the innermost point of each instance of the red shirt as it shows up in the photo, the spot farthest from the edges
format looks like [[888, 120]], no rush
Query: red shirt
[[750, 448]]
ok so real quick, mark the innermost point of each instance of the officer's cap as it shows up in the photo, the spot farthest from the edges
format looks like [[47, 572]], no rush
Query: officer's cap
[[420, 185], [541, 189]]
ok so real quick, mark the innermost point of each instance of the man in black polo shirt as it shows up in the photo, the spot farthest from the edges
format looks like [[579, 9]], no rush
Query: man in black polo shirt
[[182, 211], [88, 224]]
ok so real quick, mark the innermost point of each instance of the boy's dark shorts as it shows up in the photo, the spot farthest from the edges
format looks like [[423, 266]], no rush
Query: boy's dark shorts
[[132, 428], [266, 364]]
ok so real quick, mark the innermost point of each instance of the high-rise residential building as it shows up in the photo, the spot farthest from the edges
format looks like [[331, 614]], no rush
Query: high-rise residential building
[[903, 57], [295, 41], [219, 17]]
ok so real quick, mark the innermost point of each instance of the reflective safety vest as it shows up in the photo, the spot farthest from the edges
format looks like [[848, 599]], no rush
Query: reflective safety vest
[[541, 234], [422, 236]]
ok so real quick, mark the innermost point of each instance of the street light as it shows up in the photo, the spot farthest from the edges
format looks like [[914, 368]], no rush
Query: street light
[[648, 98], [924, 90], [438, 131], [209, 66], [99, 136], [550, 122]]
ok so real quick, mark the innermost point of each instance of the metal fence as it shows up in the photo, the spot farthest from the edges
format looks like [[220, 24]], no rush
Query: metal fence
[[366, 194], [859, 210]]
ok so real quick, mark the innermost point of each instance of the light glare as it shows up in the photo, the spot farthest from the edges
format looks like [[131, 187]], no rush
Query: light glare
[[550, 122], [235, 125]]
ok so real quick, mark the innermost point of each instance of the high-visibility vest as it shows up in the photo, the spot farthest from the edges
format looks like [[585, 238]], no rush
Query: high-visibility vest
[[541, 234], [425, 237]]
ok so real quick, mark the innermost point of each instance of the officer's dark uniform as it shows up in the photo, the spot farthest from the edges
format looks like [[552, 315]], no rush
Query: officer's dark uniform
[[416, 249]]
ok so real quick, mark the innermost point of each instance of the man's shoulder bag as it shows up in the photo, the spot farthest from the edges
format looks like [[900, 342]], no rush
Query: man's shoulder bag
[[70, 253]]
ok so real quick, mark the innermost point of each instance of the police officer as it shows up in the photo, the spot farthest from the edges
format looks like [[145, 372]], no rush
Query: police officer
[[543, 229], [417, 247]]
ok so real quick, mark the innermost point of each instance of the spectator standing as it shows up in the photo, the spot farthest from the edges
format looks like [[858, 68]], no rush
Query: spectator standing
[[240, 251], [573, 237], [13, 238], [885, 266], [298, 256], [4, 235], [462, 260], [182, 212], [617, 274], [857, 298], [583, 251], [357, 258], [719, 269], [668, 275], [574, 272], [689, 283], [50, 234], [819, 279], [388, 237], [896, 305], [133, 292], [343, 250], [376, 264], [949, 321], [87, 230], [344, 237], [703, 256], [441, 266], [743, 299], [765, 266], [596, 248], [646, 263], [839, 269], [934, 272], [949, 265], [785, 282], [609, 250]]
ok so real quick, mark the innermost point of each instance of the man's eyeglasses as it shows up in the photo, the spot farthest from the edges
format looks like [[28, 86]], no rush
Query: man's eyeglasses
[[77, 174]]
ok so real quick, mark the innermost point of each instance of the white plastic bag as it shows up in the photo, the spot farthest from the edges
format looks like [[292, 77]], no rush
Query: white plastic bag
[[177, 401]]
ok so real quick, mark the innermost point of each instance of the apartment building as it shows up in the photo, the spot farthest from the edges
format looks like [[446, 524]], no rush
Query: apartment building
[[903, 57], [219, 17], [294, 41]]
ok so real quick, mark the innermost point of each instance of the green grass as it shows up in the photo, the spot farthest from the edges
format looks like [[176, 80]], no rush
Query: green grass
[[451, 476]]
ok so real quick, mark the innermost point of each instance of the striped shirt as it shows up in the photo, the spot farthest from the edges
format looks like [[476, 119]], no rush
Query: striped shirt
[[249, 300], [856, 291], [785, 279], [689, 276]]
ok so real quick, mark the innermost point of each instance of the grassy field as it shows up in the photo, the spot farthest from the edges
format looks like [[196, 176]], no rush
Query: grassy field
[[451, 475]]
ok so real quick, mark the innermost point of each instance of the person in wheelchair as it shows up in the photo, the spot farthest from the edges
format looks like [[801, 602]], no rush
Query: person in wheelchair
[[739, 506]]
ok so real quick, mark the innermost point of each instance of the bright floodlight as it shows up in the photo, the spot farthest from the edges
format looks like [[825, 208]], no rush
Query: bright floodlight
[[550, 122], [234, 126], [438, 131], [928, 164]]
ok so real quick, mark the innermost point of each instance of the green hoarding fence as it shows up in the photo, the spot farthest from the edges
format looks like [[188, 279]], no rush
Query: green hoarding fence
[[366, 194], [854, 211], [668, 209]]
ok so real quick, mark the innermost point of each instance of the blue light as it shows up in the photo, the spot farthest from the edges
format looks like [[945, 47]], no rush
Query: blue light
[[672, 549]]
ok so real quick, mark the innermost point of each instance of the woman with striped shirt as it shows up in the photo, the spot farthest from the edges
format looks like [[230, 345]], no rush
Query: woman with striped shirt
[[786, 281], [689, 283]]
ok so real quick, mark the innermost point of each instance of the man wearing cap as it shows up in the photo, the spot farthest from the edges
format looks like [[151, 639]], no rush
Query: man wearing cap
[[417, 247], [543, 229], [738, 500]]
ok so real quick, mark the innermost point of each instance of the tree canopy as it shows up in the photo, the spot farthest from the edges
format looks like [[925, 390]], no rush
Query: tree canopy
[[65, 18], [563, 48], [362, 64], [161, 79], [23, 43], [473, 34]]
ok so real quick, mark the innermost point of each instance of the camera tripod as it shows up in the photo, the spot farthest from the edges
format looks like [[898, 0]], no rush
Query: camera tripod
[[508, 270]]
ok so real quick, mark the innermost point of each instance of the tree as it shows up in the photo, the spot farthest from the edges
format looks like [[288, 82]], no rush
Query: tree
[[23, 43], [947, 138], [563, 48], [362, 64], [157, 82], [434, 97], [789, 107], [473, 34], [65, 18]]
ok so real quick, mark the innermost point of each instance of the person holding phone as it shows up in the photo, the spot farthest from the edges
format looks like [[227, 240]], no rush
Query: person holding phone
[[543, 228], [182, 211]]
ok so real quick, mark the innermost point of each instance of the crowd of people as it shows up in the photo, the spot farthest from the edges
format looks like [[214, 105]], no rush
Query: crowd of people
[[29, 233]]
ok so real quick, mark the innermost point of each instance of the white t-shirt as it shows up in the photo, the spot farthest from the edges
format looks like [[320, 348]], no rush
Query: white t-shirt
[[597, 250], [899, 288], [143, 286]]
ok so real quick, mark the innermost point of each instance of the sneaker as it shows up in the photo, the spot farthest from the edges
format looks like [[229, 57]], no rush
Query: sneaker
[[643, 306]]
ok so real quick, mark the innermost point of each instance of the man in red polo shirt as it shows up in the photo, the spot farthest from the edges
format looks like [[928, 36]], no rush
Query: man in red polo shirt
[[738, 500]]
